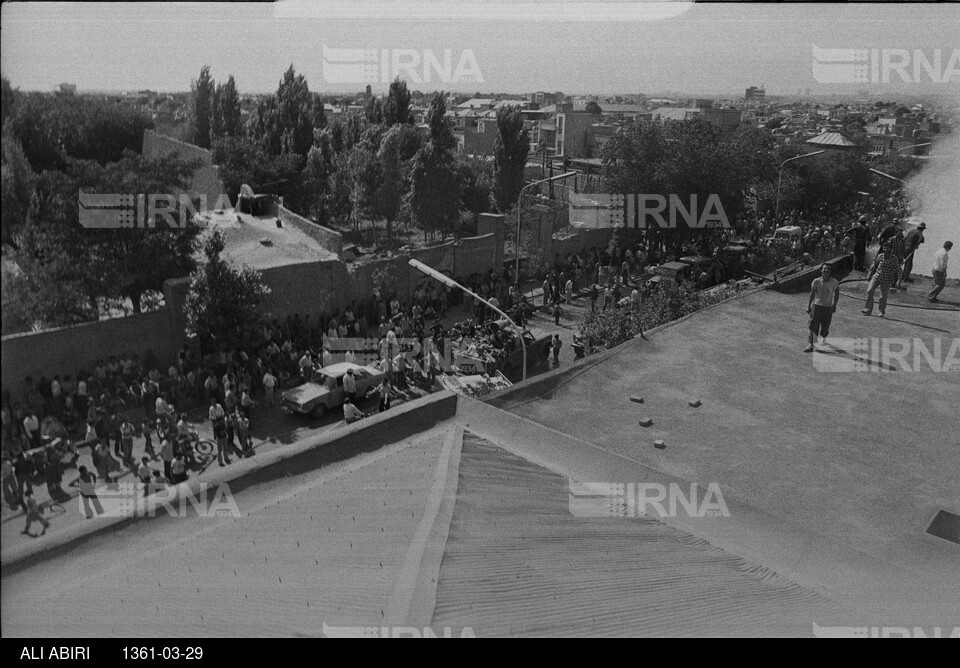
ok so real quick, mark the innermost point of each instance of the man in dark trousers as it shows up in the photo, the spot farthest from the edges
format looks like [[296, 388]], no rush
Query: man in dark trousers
[[861, 237], [911, 242]]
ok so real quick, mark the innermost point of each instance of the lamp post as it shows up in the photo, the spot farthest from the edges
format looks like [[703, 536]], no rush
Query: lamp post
[[780, 178], [516, 269], [450, 283], [887, 176], [904, 148]]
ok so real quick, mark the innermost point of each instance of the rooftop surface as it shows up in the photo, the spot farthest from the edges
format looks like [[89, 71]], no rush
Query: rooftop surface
[[287, 245], [846, 444], [830, 475]]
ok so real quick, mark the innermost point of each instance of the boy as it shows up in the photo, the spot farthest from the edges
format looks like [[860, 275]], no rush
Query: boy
[[824, 295]]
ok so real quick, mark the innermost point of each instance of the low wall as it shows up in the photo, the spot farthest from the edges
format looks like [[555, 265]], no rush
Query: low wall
[[66, 350], [329, 239], [309, 454], [476, 255], [305, 288], [801, 281]]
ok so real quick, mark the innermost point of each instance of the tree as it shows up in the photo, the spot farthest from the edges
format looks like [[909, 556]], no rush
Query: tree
[[222, 300], [203, 91], [374, 110], [393, 177], [216, 115], [475, 183], [316, 175], [593, 108], [112, 265], [298, 113], [397, 108], [7, 100], [18, 182], [364, 173], [54, 129], [510, 157], [434, 198], [230, 108]]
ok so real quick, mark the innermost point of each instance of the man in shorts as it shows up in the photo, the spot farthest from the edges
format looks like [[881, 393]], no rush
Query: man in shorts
[[824, 295]]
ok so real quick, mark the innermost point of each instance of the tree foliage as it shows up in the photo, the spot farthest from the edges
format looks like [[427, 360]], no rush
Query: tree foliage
[[434, 198], [54, 129], [510, 157], [203, 91], [222, 300], [397, 107]]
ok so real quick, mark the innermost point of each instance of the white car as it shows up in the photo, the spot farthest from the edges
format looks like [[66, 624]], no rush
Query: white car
[[324, 390]]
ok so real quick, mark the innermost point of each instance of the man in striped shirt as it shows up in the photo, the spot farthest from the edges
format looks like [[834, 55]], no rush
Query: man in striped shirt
[[884, 273]]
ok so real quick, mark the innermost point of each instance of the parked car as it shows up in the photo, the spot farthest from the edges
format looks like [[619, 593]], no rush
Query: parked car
[[324, 390]]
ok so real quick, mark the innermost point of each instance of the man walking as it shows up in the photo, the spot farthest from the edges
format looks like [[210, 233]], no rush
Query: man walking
[[884, 273], [34, 514], [88, 493], [912, 242], [824, 295], [940, 271]]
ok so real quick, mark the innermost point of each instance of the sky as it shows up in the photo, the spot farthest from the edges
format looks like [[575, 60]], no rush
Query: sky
[[550, 45]]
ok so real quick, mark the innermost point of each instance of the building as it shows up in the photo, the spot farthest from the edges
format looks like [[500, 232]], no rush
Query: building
[[67, 89], [755, 95], [571, 135], [726, 119], [833, 141]]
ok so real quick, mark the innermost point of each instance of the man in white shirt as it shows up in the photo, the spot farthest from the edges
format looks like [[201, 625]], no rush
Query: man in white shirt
[[217, 414], [824, 295], [940, 270], [306, 365], [350, 385], [269, 382], [31, 429]]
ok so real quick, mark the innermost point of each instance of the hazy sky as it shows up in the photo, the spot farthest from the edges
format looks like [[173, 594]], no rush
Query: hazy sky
[[715, 48]]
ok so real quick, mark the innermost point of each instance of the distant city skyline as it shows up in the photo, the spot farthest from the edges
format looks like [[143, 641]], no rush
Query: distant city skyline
[[716, 49]]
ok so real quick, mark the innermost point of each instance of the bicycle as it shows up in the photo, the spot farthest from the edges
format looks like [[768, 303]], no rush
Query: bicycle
[[200, 451]]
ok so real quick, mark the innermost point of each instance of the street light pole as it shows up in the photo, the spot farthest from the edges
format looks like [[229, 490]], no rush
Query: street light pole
[[450, 283], [780, 178], [516, 268], [904, 148]]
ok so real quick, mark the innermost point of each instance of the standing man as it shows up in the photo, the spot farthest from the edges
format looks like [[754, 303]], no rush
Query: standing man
[[269, 383], [824, 295], [126, 440], [350, 385], [884, 273], [556, 344], [897, 246], [913, 240], [31, 429], [940, 271], [861, 236]]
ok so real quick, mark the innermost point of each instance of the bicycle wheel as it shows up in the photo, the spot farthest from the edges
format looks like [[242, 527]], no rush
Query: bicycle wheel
[[206, 448]]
